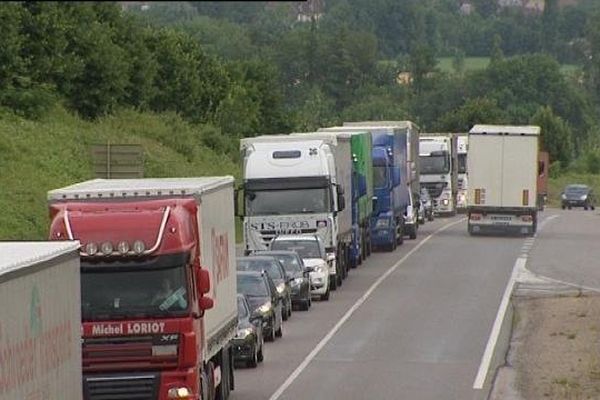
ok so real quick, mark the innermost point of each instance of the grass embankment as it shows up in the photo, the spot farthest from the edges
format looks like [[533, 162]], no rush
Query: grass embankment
[[556, 185], [37, 156]]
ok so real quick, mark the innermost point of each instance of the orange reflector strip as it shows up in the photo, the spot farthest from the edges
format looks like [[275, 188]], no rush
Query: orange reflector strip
[[477, 196], [525, 197]]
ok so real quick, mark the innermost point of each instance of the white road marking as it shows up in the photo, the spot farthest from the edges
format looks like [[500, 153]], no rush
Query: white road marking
[[294, 375], [519, 265], [486, 359]]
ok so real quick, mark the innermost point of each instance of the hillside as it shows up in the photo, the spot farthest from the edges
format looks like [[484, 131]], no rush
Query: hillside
[[36, 156]]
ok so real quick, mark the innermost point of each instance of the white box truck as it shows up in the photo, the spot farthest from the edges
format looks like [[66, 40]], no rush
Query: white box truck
[[40, 330], [292, 185], [158, 284], [502, 167]]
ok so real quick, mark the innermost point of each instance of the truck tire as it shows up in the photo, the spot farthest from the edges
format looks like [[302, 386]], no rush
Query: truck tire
[[211, 381], [279, 332], [400, 239], [369, 244], [412, 233], [222, 391]]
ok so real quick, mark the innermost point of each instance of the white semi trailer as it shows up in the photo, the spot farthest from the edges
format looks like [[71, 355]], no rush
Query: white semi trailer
[[502, 165], [40, 345]]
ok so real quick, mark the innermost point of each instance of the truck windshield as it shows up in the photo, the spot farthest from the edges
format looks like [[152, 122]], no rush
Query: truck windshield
[[287, 201], [462, 163], [114, 294], [434, 164], [380, 174]]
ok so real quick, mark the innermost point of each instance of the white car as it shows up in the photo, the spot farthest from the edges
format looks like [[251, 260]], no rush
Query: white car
[[312, 251]]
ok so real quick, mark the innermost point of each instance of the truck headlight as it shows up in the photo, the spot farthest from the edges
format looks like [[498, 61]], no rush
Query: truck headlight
[[265, 308], [179, 393], [563, 196], [382, 223], [583, 197], [280, 287], [445, 202]]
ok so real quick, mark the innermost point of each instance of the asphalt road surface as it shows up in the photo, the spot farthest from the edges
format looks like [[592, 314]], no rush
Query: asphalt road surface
[[412, 324]]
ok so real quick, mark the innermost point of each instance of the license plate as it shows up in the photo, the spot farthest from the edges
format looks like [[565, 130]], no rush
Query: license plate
[[503, 223]]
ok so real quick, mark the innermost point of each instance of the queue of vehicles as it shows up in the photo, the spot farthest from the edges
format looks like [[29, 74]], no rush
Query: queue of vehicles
[[164, 316]]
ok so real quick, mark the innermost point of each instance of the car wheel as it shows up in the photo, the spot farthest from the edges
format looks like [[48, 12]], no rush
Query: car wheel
[[284, 313], [563, 206], [325, 297], [252, 363], [260, 356], [333, 283], [289, 308], [271, 335], [279, 332]]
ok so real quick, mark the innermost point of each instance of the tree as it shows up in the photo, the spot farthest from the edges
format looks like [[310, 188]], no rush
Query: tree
[[422, 62], [474, 111], [556, 135], [458, 61], [497, 55]]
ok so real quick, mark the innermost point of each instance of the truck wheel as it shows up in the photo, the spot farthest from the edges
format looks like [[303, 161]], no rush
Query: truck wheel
[[211, 380], [226, 369], [369, 246], [400, 239]]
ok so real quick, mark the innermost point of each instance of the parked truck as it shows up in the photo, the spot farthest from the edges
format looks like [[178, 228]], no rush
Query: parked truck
[[462, 144], [158, 284], [361, 199], [40, 350], [391, 200], [542, 180], [503, 166], [410, 170], [439, 170], [297, 185]]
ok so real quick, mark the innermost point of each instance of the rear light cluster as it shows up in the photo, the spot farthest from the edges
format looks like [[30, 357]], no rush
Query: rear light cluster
[[526, 218], [107, 248], [476, 217]]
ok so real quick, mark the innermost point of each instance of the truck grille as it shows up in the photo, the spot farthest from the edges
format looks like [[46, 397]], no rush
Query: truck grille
[[111, 353], [134, 387], [434, 188], [267, 236]]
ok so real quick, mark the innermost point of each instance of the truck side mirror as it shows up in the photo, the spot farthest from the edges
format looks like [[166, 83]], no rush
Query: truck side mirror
[[202, 281], [205, 303], [341, 199]]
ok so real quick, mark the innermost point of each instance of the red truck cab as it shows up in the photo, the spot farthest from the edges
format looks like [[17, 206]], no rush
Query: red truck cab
[[144, 292]]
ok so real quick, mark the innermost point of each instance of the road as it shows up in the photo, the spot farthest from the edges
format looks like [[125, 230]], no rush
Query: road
[[419, 334]]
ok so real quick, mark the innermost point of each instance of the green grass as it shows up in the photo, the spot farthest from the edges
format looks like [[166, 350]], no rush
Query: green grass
[[477, 63], [36, 156], [556, 185]]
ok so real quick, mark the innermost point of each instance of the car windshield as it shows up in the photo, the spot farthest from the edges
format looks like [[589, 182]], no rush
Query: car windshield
[[252, 285], [437, 164], [304, 248], [576, 189], [270, 266], [288, 201], [290, 263], [380, 176], [113, 294], [242, 310]]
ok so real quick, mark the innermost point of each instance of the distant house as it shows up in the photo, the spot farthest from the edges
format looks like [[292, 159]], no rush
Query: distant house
[[307, 10]]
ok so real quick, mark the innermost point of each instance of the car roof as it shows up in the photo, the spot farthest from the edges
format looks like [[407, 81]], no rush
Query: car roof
[[275, 252], [297, 237], [257, 258]]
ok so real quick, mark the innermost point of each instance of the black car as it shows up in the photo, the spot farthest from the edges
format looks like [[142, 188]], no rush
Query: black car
[[249, 340], [261, 294], [578, 196], [300, 274], [276, 271]]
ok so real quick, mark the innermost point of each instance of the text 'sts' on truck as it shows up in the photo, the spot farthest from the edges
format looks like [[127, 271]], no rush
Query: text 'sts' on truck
[[391, 195], [503, 166], [40, 347], [542, 180], [291, 185], [439, 170], [361, 201], [158, 284], [462, 144], [410, 170]]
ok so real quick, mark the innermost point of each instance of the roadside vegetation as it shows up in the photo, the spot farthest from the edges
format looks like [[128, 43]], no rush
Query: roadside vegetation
[[201, 75]]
